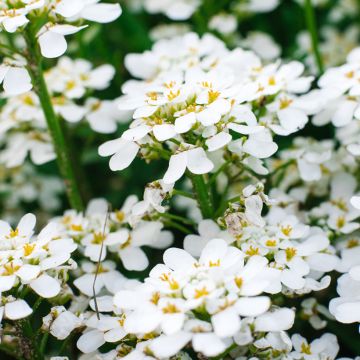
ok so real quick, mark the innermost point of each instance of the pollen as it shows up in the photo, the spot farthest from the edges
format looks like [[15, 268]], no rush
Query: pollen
[[28, 100], [155, 298], [174, 285], [290, 253], [76, 227], [152, 95], [352, 243], [122, 319], [340, 203], [14, 233], [272, 81], [10, 269], [213, 95], [170, 84], [284, 103], [70, 85], [98, 238], [173, 95], [286, 230], [28, 249], [239, 281], [214, 263], [201, 292], [170, 309], [271, 243], [120, 215], [207, 84], [126, 243], [340, 222], [305, 349], [251, 251]]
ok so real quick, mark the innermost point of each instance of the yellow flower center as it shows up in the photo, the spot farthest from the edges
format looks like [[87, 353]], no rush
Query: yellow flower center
[[239, 282], [251, 251], [305, 349], [10, 269], [271, 243], [290, 253], [170, 309], [28, 249], [214, 263], [76, 227], [201, 292], [340, 222], [174, 285], [284, 103], [120, 215], [286, 230]]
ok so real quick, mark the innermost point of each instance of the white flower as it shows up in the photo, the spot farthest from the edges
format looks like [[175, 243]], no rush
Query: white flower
[[52, 39], [175, 10], [170, 297], [346, 308], [195, 160], [30, 261], [223, 23], [324, 347]]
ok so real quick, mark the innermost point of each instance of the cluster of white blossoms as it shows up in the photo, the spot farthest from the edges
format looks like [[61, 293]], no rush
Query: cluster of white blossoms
[[39, 263], [247, 247], [23, 185], [212, 302], [196, 99], [23, 129], [340, 93], [51, 20], [122, 233], [63, 18], [299, 253]]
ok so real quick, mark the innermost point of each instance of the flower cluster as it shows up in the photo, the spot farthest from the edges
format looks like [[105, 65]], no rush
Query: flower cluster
[[39, 263], [196, 99], [248, 240], [23, 128], [61, 19], [121, 233]]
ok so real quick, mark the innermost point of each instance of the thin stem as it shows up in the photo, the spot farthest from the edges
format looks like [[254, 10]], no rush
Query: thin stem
[[43, 343], [64, 160], [178, 218], [177, 226], [183, 193], [203, 196], [311, 26]]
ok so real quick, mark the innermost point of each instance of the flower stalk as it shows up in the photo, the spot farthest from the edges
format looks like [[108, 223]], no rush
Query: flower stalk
[[64, 160], [312, 28], [203, 196]]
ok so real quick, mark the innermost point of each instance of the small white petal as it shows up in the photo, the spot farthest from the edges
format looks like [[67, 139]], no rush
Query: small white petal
[[46, 286], [90, 341], [17, 309]]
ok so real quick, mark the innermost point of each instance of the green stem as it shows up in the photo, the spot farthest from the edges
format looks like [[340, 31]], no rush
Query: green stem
[[64, 160], [182, 193], [177, 226], [43, 343], [311, 26], [178, 218], [203, 196]]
